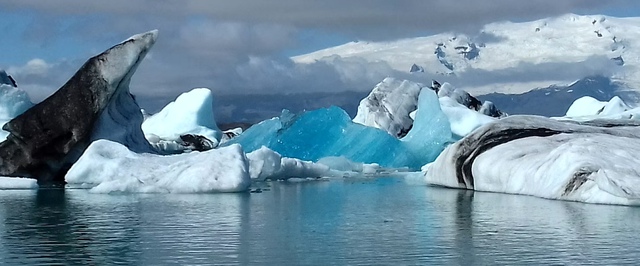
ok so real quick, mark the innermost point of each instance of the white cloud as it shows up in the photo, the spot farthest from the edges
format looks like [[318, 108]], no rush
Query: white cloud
[[35, 67]]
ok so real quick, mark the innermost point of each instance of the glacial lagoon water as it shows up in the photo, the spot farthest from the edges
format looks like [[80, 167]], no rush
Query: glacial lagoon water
[[381, 221]]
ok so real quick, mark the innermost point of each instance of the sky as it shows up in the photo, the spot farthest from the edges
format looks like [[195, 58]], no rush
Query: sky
[[239, 47]]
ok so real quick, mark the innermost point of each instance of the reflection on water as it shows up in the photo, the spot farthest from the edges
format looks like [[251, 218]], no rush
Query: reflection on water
[[358, 221]]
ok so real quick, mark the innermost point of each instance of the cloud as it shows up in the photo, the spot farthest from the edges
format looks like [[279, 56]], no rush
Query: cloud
[[237, 47], [369, 19], [35, 67], [40, 78]]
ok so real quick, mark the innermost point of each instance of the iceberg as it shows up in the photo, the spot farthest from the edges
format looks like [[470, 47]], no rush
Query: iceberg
[[388, 105], [593, 161], [327, 132], [463, 120], [5, 79], [464, 98], [108, 166], [588, 108], [392, 104], [95, 103], [345, 167], [13, 102], [191, 113], [265, 164], [10, 183]]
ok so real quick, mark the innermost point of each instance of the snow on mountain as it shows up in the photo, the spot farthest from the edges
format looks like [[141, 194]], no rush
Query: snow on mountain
[[592, 44], [555, 99]]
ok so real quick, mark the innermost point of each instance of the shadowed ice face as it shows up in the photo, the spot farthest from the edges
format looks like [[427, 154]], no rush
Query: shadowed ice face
[[117, 65]]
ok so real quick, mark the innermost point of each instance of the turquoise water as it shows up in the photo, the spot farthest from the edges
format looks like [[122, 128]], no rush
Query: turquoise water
[[383, 221]]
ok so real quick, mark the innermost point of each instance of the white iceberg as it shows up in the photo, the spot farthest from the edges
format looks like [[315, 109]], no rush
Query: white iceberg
[[10, 183], [593, 162], [392, 106], [462, 119], [388, 105], [588, 108], [190, 113], [108, 166], [267, 164]]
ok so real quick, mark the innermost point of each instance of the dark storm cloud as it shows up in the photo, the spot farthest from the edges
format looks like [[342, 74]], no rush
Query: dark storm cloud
[[371, 19]]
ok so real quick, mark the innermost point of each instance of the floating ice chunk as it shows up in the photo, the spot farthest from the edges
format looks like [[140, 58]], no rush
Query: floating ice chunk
[[108, 166], [587, 108], [190, 113], [330, 132], [325, 132], [13, 102], [592, 162], [431, 130], [266, 164], [341, 166], [388, 106], [5, 79], [462, 119], [17, 183], [340, 163], [614, 106]]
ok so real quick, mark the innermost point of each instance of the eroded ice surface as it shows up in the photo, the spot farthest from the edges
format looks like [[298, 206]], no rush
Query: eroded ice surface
[[592, 162], [388, 106], [462, 119], [108, 166], [267, 164], [17, 183]]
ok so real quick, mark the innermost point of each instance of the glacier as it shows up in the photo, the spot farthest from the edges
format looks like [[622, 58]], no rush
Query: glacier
[[553, 48], [592, 161]]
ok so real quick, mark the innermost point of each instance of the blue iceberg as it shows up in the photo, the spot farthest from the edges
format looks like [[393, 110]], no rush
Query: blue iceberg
[[330, 132]]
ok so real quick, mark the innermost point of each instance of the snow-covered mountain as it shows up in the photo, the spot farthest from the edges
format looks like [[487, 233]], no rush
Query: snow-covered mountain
[[510, 57]]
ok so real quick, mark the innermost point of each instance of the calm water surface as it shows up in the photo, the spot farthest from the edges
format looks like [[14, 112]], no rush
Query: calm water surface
[[381, 221]]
